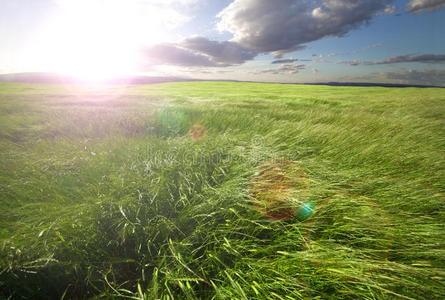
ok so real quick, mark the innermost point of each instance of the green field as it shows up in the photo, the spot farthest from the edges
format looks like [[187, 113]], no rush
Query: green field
[[103, 194]]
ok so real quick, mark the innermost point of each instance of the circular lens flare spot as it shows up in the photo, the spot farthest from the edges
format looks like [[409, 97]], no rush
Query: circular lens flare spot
[[305, 211], [197, 132], [279, 189]]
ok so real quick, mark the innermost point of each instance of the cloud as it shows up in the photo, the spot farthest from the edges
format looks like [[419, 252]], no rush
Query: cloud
[[424, 58], [373, 46], [282, 26], [197, 52], [219, 52], [429, 77], [213, 71], [389, 10], [282, 69], [419, 6], [354, 63], [320, 61], [171, 54], [284, 61], [315, 71], [349, 53]]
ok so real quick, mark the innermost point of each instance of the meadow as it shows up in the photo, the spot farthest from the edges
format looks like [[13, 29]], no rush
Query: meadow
[[105, 194]]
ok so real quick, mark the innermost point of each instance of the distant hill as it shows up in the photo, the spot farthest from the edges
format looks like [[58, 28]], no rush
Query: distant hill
[[368, 84], [54, 78]]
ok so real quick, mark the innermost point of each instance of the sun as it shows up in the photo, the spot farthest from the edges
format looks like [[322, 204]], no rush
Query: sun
[[97, 40]]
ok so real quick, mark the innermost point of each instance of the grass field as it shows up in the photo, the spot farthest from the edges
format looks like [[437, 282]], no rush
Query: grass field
[[104, 194]]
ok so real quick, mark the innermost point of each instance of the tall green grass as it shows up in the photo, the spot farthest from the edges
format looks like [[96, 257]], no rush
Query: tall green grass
[[104, 195]]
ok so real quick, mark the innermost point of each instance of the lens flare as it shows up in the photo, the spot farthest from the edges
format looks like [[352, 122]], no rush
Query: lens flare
[[197, 132], [279, 190]]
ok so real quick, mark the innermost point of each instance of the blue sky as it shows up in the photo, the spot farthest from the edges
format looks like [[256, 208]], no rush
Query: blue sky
[[399, 41]]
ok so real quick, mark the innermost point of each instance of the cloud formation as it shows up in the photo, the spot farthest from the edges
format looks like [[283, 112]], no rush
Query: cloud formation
[[282, 69], [424, 58], [197, 52], [219, 52], [172, 54], [419, 6], [390, 9], [284, 61], [429, 77], [373, 46], [352, 62], [279, 27], [282, 26]]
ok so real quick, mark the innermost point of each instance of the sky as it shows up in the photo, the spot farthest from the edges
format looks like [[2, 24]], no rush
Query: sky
[[390, 41]]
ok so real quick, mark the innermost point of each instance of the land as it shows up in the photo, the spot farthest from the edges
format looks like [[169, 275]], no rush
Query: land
[[55, 78], [105, 193]]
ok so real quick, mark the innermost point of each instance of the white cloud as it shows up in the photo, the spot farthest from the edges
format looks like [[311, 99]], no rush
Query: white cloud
[[389, 9], [418, 6]]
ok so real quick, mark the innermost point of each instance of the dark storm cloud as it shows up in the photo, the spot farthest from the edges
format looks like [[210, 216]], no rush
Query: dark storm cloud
[[418, 6], [199, 52], [430, 77], [424, 58], [282, 26]]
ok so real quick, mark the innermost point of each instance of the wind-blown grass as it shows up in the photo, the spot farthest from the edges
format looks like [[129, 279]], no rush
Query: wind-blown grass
[[104, 194]]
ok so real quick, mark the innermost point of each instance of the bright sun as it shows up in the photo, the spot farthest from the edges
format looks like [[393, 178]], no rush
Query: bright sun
[[97, 40]]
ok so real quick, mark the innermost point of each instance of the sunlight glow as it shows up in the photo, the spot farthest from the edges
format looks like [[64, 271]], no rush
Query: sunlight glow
[[93, 41]]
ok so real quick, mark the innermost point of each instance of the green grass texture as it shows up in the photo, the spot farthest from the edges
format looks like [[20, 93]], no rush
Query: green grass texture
[[104, 195]]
